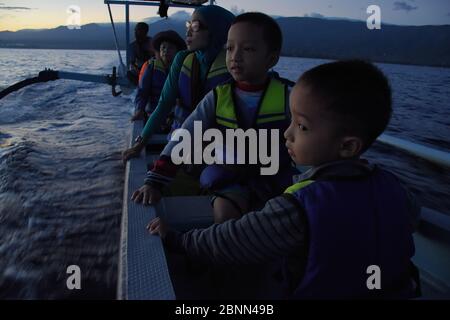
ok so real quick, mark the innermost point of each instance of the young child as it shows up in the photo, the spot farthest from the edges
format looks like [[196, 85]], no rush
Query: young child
[[252, 100], [340, 217], [154, 73], [194, 72]]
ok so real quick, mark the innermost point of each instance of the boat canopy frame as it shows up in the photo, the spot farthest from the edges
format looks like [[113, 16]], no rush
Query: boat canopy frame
[[147, 3]]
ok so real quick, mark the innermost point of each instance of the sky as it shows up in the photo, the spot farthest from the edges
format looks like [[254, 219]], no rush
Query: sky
[[39, 14]]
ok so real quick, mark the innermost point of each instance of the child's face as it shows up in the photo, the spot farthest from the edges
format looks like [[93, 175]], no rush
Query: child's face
[[197, 35], [167, 51], [312, 138], [248, 57]]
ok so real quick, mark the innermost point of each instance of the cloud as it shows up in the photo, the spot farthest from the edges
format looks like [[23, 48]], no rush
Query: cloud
[[2, 7], [403, 5]]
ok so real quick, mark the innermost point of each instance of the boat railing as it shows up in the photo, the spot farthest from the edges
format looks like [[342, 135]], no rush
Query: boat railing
[[434, 155]]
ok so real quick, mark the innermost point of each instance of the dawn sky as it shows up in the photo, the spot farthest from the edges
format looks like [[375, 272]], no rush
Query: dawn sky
[[34, 14]]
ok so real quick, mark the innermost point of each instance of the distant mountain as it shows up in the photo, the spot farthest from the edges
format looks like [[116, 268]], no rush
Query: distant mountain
[[323, 38], [303, 37]]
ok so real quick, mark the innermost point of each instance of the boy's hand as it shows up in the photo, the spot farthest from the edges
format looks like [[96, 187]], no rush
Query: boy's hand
[[133, 152], [147, 194], [139, 115], [157, 226]]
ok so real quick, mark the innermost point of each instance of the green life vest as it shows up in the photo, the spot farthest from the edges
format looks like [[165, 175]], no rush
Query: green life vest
[[272, 107]]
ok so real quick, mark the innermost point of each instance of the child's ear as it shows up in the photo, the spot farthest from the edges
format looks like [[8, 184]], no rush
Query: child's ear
[[273, 59], [350, 147]]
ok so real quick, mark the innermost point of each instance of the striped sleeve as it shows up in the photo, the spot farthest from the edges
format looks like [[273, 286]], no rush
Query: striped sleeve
[[162, 173], [278, 230]]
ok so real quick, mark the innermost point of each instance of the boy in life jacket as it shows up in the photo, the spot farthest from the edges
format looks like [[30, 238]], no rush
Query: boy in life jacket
[[154, 73], [140, 49], [253, 100], [344, 229], [194, 72]]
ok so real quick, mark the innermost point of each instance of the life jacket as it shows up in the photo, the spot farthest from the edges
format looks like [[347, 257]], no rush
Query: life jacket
[[271, 113], [354, 223], [190, 88], [158, 78]]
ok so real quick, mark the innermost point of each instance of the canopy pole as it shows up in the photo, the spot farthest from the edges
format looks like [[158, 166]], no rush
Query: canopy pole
[[115, 34], [127, 33]]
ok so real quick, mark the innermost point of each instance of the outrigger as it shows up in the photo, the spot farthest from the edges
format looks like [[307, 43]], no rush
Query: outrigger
[[146, 271]]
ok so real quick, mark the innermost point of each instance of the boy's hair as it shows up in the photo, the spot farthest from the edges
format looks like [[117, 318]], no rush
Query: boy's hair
[[357, 93], [271, 30]]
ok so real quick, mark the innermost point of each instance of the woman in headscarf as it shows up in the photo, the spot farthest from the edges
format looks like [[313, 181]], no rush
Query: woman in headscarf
[[194, 72]]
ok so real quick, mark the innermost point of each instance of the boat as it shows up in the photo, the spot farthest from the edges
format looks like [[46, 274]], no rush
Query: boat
[[147, 271]]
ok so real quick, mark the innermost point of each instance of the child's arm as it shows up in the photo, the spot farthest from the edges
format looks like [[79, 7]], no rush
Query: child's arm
[[165, 104], [161, 174], [204, 112], [278, 230], [163, 170]]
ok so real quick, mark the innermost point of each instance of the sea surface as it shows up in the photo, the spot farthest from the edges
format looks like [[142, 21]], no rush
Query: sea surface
[[61, 178]]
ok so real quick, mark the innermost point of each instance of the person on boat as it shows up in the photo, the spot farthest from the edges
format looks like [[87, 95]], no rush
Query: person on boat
[[253, 99], [194, 72], [154, 73], [141, 49], [342, 217]]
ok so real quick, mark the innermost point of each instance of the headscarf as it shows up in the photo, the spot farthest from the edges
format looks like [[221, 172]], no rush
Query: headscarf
[[218, 20]]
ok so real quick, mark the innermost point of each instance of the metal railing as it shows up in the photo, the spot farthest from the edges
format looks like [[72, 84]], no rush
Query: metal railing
[[433, 155]]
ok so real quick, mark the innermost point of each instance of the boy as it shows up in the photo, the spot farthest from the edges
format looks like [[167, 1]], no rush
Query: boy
[[141, 49], [252, 100], [343, 216], [154, 73]]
